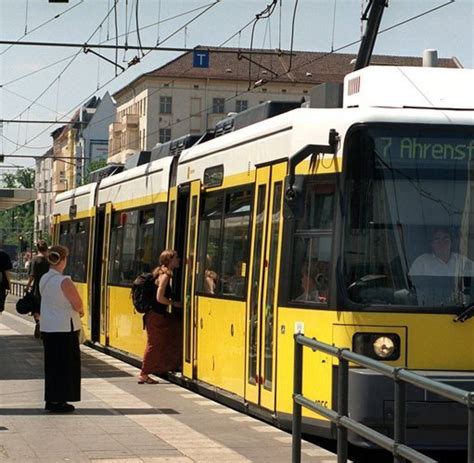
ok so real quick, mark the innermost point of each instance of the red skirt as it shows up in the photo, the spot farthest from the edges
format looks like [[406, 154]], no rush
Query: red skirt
[[164, 346]]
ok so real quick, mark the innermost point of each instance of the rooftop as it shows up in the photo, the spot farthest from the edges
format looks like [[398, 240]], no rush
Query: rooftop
[[306, 67]]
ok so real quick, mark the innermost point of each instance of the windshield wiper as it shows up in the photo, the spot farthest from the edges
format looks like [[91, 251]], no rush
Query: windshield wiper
[[465, 314]]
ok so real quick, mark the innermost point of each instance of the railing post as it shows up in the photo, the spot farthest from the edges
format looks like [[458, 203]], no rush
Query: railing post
[[297, 390], [400, 414], [470, 428], [342, 408]]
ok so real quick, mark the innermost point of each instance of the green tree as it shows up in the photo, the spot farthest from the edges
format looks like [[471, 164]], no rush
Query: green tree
[[93, 165], [18, 221]]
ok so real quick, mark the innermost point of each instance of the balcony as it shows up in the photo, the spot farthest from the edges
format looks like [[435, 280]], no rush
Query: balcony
[[130, 121]]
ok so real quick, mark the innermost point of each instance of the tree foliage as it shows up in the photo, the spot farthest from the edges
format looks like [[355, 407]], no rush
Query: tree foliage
[[18, 221], [93, 165]]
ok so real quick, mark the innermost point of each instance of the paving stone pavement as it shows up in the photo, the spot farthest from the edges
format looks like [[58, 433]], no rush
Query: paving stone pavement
[[119, 420]]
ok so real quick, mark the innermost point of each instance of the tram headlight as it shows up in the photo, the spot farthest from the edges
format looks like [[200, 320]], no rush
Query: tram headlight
[[379, 346]]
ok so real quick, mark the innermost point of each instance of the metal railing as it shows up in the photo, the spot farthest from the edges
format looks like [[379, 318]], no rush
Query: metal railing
[[401, 377], [17, 288]]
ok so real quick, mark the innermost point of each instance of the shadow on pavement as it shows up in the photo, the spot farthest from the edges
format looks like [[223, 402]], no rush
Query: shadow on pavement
[[89, 411], [21, 358]]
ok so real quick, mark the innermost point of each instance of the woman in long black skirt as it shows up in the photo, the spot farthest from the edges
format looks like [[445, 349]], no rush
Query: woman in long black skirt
[[61, 309]]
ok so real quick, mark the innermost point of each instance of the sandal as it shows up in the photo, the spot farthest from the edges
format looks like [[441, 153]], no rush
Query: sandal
[[147, 381]]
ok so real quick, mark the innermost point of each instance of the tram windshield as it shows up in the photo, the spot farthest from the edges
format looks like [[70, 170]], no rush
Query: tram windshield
[[408, 238]]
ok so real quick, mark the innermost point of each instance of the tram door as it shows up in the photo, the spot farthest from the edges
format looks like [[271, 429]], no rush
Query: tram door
[[104, 289], [262, 297], [189, 301], [95, 271]]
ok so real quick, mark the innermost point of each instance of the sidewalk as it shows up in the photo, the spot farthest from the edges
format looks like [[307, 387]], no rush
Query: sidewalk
[[119, 420]]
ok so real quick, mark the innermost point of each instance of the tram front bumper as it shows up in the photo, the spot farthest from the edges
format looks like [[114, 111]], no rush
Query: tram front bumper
[[433, 422]]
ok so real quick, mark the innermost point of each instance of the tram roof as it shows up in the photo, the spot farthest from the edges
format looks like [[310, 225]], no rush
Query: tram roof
[[13, 197]]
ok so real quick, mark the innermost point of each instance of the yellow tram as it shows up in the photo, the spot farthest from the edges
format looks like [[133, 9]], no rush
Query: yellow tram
[[310, 221]]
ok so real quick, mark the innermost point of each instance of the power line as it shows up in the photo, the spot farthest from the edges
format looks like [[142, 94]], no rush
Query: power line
[[63, 70], [282, 74], [170, 18], [104, 85], [133, 47], [17, 121], [40, 26]]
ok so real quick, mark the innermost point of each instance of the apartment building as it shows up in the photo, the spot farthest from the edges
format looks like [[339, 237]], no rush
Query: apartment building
[[180, 98], [75, 148]]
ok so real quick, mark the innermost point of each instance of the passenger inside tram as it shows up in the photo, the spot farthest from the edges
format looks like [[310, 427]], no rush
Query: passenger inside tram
[[308, 284], [314, 282], [235, 283], [210, 277]]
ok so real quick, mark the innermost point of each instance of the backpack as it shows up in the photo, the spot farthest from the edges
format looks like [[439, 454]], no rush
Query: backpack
[[143, 292]]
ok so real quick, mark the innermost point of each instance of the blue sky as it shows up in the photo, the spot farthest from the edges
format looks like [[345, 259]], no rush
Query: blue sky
[[319, 26]]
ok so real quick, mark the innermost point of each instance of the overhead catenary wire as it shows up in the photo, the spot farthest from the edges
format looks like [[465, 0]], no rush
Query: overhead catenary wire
[[63, 70], [333, 25], [119, 36], [137, 26], [158, 23], [40, 26], [280, 75], [292, 34], [318, 58], [109, 81], [116, 34], [265, 13], [26, 18]]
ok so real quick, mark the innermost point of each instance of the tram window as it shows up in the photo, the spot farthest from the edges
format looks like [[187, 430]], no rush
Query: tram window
[[116, 239], [79, 253], [75, 236], [234, 255], [209, 279], [130, 233], [224, 244], [131, 245], [408, 239], [312, 243], [212, 206]]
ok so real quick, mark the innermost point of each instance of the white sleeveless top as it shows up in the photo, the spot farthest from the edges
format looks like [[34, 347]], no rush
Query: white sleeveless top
[[57, 313]]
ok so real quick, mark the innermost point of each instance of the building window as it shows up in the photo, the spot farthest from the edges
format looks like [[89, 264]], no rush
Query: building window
[[241, 105], [218, 105], [165, 104], [165, 135], [144, 139]]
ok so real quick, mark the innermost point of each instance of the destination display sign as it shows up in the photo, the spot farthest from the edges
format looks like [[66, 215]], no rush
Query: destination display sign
[[436, 151]]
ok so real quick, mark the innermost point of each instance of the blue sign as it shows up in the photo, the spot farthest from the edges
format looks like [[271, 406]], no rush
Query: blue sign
[[200, 59]]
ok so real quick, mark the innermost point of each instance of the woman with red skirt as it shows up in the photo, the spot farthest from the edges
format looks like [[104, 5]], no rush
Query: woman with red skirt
[[163, 351]]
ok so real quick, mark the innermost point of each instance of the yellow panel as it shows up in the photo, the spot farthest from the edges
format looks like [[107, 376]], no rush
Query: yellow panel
[[317, 367], [328, 166], [82, 288], [221, 343], [434, 342], [429, 342], [78, 216], [235, 180], [125, 325], [133, 203]]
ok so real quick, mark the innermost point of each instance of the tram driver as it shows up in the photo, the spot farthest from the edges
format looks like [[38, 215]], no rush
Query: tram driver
[[434, 274]]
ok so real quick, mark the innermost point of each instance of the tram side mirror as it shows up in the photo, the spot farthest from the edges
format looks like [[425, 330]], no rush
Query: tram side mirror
[[294, 198]]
